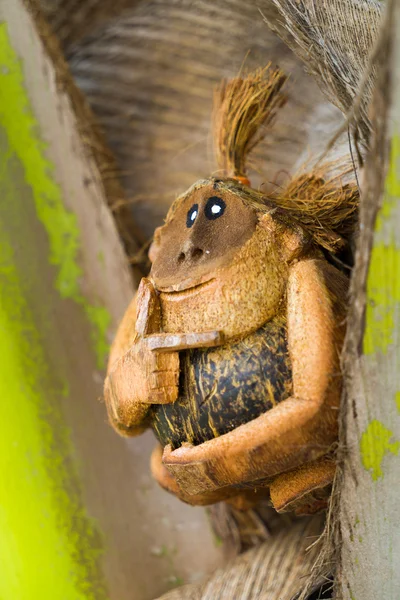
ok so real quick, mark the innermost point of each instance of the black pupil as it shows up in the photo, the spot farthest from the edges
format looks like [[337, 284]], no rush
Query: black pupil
[[192, 214], [215, 208]]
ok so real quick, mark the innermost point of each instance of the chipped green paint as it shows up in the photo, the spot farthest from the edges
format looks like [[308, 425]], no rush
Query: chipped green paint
[[383, 283], [61, 225], [374, 445]]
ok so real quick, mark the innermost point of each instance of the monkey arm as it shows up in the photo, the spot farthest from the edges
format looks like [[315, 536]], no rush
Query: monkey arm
[[299, 429], [144, 363], [143, 369], [134, 424]]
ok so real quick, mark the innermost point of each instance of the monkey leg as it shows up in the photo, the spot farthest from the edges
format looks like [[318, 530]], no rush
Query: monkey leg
[[304, 490]]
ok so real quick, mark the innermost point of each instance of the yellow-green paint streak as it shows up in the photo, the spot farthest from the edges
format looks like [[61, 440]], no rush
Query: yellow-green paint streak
[[61, 225], [374, 445], [383, 283], [49, 548], [397, 400], [392, 184], [383, 297]]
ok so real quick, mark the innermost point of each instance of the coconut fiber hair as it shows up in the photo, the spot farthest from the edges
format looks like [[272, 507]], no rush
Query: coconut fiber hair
[[320, 204]]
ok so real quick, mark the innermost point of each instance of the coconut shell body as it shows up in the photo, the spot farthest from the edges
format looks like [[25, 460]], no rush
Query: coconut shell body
[[222, 388]]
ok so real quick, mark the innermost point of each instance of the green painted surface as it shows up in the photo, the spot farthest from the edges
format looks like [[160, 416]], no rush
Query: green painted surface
[[383, 298], [383, 283], [61, 226], [374, 445], [49, 548], [392, 184]]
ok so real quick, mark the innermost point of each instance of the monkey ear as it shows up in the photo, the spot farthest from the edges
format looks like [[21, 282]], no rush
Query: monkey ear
[[155, 244], [293, 243], [291, 240]]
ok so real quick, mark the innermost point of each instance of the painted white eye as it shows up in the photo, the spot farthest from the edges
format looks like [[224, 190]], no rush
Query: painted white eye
[[192, 214], [215, 208]]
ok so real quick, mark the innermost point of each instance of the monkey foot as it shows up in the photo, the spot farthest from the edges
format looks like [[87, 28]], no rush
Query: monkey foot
[[305, 490]]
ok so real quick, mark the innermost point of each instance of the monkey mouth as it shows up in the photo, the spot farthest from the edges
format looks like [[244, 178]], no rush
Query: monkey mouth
[[183, 289]]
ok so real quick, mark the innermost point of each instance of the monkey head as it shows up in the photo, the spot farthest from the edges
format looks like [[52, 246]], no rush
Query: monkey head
[[221, 260]]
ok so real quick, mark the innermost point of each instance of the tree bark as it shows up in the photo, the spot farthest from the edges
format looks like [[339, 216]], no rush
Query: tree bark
[[368, 517]]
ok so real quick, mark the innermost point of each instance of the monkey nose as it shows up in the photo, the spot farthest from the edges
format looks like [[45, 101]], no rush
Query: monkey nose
[[190, 254]]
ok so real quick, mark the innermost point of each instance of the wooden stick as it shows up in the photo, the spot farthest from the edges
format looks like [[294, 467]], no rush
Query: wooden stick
[[167, 342]]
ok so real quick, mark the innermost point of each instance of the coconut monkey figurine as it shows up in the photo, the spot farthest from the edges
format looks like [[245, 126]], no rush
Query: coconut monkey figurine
[[230, 350]]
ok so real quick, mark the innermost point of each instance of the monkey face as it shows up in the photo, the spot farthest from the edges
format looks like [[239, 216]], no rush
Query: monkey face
[[218, 264]]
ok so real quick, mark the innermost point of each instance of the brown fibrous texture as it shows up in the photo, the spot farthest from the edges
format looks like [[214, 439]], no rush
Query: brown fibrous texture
[[243, 108], [326, 207]]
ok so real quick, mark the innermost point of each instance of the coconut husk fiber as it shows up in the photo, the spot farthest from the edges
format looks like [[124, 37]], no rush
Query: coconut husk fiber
[[243, 108]]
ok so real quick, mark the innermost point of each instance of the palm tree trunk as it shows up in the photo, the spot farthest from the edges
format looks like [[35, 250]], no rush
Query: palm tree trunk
[[369, 524]]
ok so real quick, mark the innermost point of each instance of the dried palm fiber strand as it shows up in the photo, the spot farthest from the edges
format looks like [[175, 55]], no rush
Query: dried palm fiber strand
[[72, 20], [149, 76], [334, 38], [242, 106], [274, 570], [90, 133], [326, 207]]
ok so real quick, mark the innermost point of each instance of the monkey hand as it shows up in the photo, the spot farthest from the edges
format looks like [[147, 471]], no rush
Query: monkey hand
[[143, 375], [146, 373]]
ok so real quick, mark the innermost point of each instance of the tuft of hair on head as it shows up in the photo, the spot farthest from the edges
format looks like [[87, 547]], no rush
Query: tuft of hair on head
[[243, 107], [322, 203]]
